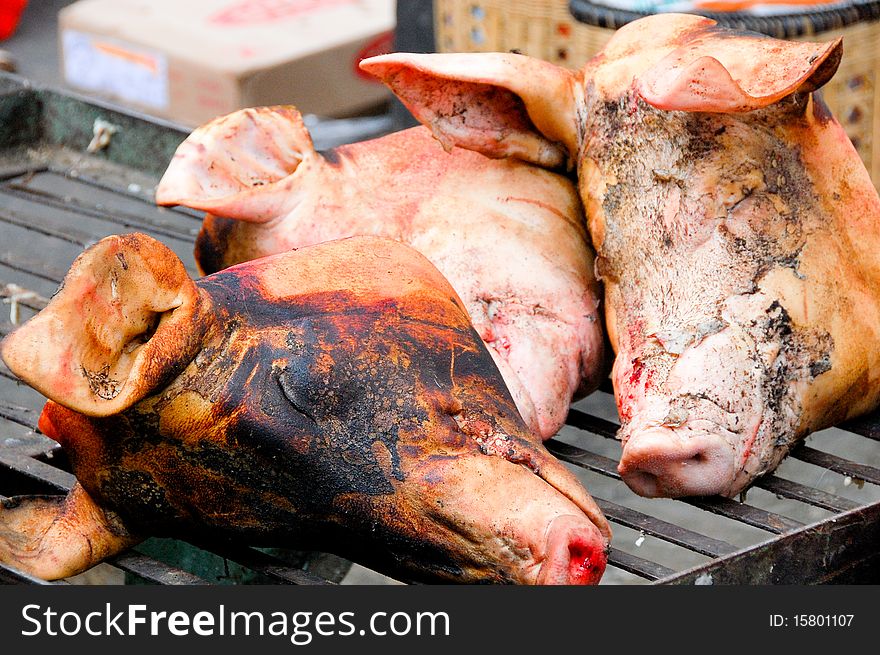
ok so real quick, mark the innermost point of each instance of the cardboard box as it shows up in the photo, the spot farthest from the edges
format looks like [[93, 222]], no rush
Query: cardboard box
[[193, 60]]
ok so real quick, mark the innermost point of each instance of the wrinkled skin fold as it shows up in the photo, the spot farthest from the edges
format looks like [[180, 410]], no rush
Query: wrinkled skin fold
[[335, 397], [510, 237], [735, 226]]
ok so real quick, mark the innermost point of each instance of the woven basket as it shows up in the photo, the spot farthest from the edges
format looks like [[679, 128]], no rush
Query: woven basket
[[550, 30]]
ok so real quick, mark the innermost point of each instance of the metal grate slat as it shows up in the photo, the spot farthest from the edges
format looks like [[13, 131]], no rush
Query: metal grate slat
[[26, 416], [54, 479], [270, 566], [105, 200], [154, 571], [747, 514], [670, 532], [20, 200], [805, 494], [583, 421], [837, 464], [583, 458], [638, 566]]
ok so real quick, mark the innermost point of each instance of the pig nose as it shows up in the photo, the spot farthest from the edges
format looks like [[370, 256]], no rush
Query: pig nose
[[575, 553], [658, 463]]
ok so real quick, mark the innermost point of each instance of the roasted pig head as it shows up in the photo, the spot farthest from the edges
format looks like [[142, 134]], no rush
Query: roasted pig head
[[510, 237], [736, 228], [335, 397]]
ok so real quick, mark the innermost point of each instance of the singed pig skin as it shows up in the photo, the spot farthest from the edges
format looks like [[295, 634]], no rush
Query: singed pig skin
[[335, 397], [510, 237], [735, 226], [760, 332]]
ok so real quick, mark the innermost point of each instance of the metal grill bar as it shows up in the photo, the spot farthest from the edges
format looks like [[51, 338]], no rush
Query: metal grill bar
[[270, 566], [43, 268], [583, 458], [866, 426], [667, 531], [19, 200], [155, 571], [594, 424], [24, 415], [837, 464], [747, 514], [797, 491], [54, 479], [638, 566]]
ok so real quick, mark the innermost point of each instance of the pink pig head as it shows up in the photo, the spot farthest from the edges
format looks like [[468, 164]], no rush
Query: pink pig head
[[736, 231]]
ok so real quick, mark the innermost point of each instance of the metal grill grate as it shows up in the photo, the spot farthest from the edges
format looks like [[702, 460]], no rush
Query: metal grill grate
[[816, 520], [813, 492]]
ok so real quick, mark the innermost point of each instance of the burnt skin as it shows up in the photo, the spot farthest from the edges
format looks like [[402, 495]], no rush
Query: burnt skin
[[214, 240], [405, 187], [319, 412]]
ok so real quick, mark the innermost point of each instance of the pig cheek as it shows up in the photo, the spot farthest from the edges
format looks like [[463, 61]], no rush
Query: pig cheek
[[632, 381], [188, 415]]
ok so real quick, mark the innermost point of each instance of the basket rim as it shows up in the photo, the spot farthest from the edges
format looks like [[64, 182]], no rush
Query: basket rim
[[781, 25]]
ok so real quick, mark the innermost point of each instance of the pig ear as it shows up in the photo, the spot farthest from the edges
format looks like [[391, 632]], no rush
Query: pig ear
[[725, 71], [126, 318], [234, 166], [501, 105]]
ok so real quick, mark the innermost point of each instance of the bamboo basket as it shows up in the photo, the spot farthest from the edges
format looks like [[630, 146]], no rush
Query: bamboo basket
[[569, 33]]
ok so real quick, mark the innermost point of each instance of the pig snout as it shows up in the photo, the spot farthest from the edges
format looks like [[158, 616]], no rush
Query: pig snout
[[662, 463], [574, 553]]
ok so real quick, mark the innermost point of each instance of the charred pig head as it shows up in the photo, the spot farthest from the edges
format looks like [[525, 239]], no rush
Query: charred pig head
[[735, 225], [334, 397], [510, 237]]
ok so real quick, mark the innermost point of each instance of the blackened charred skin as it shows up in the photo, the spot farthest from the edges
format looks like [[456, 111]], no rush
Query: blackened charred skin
[[298, 423], [148, 501], [214, 241], [235, 288]]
